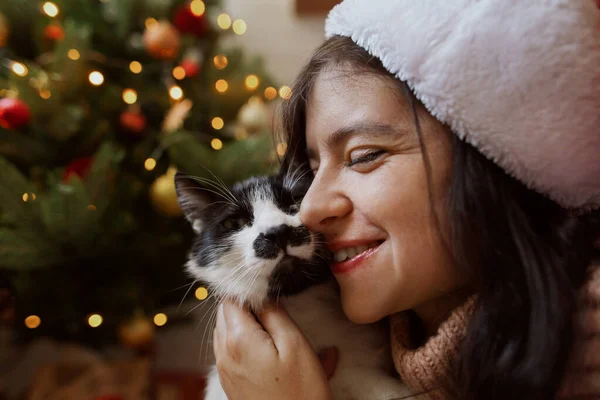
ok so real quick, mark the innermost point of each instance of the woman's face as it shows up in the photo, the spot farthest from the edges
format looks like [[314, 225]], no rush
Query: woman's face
[[370, 190]]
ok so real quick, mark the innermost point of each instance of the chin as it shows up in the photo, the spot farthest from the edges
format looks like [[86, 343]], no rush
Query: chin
[[361, 312]]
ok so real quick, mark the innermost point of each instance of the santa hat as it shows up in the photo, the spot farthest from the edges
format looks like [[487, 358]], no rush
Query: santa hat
[[517, 79]]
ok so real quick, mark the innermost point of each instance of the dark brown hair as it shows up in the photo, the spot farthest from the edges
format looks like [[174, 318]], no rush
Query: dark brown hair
[[526, 254]]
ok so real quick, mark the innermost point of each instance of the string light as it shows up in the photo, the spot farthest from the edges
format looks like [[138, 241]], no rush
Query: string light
[[220, 61], [45, 94], [179, 73], [91, 207], [270, 93], [150, 164], [252, 82], [151, 23], [160, 319], [285, 92], [281, 149], [176, 93], [96, 78], [216, 144], [19, 69], [135, 67], [217, 123], [26, 197], [201, 293], [197, 7], [33, 321], [73, 54], [221, 85], [130, 96], [50, 9], [239, 26], [95, 320], [224, 21]]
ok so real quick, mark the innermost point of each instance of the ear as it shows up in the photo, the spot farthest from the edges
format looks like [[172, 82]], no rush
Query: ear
[[193, 197]]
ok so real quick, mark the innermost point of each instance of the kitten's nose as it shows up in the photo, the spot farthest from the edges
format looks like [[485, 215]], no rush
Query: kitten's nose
[[279, 235]]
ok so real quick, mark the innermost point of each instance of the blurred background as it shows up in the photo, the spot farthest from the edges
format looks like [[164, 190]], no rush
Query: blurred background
[[101, 102]]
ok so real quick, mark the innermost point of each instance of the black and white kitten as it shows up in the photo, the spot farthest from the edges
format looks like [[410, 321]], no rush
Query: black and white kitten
[[251, 246]]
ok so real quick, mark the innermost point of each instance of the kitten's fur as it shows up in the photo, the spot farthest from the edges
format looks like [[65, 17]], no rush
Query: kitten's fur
[[251, 246]]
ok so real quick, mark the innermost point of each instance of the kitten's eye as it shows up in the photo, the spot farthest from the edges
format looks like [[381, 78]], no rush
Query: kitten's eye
[[294, 208], [234, 223]]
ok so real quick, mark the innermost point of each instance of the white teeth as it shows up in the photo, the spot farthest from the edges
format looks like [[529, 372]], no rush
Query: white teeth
[[340, 255], [351, 252]]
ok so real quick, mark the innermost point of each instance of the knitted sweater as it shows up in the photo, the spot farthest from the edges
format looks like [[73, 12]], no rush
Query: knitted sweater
[[425, 368]]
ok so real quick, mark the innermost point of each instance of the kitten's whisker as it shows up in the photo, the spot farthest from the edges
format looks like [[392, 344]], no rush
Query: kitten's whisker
[[185, 295], [219, 186], [220, 181]]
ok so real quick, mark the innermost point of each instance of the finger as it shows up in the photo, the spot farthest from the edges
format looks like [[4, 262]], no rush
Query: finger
[[329, 359], [277, 322], [239, 319]]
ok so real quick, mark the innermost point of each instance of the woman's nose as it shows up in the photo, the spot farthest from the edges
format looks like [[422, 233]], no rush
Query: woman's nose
[[322, 205]]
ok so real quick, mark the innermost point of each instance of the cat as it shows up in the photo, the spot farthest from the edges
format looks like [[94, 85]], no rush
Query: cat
[[251, 246]]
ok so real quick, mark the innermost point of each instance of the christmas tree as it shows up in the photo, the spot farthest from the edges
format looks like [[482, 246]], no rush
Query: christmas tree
[[101, 101]]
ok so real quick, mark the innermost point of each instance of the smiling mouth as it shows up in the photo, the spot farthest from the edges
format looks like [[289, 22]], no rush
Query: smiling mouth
[[350, 253]]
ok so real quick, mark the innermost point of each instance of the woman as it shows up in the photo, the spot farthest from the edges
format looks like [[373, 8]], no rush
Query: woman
[[460, 138]]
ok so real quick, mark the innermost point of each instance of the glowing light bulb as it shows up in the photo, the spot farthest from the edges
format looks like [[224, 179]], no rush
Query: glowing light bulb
[[33, 321], [151, 23], [179, 73], [224, 21], [221, 85], [160, 319], [135, 67], [216, 144], [285, 92], [220, 61], [25, 197], [95, 320], [239, 26], [73, 54], [252, 82], [91, 207], [176, 93], [270, 93], [197, 7], [201, 293], [150, 164], [50, 9], [96, 78], [217, 123], [45, 94], [130, 96], [19, 69], [281, 149]]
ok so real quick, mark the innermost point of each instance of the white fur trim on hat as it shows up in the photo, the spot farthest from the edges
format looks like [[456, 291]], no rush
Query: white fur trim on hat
[[518, 79]]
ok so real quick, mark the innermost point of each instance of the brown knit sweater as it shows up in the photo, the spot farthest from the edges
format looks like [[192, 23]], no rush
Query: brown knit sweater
[[425, 368]]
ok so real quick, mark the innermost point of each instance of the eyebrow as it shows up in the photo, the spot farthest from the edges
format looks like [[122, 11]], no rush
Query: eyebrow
[[359, 128]]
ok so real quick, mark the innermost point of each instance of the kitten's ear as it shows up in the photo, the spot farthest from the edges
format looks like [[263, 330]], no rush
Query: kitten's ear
[[193, 197]]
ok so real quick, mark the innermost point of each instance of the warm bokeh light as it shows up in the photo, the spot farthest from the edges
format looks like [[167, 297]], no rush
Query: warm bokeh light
[[201, 293], [135, 67], [45, 94], [176, 93], [239, 26], [74, 54], [150, 164], [33, 321], [160, 319], [130, 96], [252, 82], [197, 7], [19, 69], [96, 78], [50, 9], [151, 23], [220, 61], [221, 85], [91, 207], [217, 123], [224, 21], [178, 73], [285, 92], [94, 320], [25, 197], [216, 144], [270, 93], [281, 149]]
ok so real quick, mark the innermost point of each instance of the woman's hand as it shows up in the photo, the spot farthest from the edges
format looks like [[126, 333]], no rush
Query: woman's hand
[[266, 359]]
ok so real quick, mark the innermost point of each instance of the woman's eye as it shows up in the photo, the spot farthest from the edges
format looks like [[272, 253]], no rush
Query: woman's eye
[[366, 157]]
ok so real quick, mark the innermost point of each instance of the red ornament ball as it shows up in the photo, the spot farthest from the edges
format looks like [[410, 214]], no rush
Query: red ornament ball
[[188, 22], [54, 32], [14, 113], [80, 167], [133, 122], [191, 67], [162, 41]]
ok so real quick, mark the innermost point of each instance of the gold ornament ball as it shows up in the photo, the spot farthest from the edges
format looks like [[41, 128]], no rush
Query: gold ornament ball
[[3, 30], [137, 333], [253, 115], [162, 41], [163, 195]]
